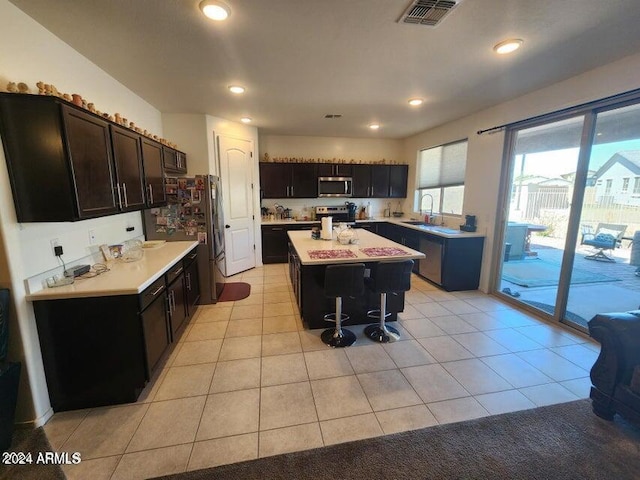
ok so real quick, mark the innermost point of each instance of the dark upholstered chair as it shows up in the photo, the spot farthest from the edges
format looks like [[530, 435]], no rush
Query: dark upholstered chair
[[606, 236], [616, 374], [345, 280]]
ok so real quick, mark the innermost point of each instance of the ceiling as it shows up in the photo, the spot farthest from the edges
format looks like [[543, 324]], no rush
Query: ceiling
[[302, 59]]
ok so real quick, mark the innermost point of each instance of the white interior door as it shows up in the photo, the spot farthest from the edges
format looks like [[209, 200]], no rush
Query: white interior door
[[236, 166]]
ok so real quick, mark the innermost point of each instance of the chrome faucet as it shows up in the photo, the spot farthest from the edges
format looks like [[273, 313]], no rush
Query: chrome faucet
[[431, 208]]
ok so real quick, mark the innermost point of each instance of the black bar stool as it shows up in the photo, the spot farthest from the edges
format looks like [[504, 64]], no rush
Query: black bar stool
[[387, 277], [340, 281]]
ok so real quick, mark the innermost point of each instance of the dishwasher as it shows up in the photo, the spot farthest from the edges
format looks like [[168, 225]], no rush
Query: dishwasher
[[431, 266]]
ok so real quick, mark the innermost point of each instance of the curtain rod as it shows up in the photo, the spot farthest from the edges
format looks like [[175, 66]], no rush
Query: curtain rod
[[575, 109]]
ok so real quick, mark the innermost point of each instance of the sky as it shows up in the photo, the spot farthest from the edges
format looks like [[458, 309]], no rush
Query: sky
[[558, 162]]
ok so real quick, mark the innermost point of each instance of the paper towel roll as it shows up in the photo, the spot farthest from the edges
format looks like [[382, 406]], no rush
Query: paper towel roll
[[327, 231]]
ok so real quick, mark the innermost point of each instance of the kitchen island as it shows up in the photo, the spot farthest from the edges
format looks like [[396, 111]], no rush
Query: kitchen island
[[308, 259]]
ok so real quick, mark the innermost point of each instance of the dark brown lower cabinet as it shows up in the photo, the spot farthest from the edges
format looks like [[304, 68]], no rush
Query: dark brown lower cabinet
[[156, 336], [102, 350], [275, 241], [177, 305], [93, 350], [192, 284]]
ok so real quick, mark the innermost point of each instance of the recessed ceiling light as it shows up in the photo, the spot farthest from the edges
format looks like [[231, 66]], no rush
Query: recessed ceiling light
[[414, 102], [236, 89], [215, 10], [374, 126], [508, 46], [246, 120]]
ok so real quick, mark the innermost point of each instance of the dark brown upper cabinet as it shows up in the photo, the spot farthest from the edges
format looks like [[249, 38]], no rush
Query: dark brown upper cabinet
[[288, 180], [335, 170], [153, 173], [59, 160], [370, 181], [68, 164], [127, 155], [174, 161], [398, 177]]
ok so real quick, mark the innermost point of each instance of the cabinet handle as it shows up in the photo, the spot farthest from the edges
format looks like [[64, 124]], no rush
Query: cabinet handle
[[188, 281], [172, 304], [177, 272], [151, 194], [192, 256], [292, 190], [274, 229], [158, 290], [124, 190], [119, 197]]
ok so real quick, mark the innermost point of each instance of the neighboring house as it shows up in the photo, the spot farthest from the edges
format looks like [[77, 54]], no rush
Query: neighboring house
[[591, 177], [618, 180]]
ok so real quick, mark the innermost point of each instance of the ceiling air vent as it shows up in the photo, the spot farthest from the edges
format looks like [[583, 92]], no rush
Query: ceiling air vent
[[333, 115], [427, 12]]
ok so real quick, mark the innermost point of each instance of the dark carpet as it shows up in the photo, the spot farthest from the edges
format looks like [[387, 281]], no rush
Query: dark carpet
[[234, 291], [31, 441], [559, 442]]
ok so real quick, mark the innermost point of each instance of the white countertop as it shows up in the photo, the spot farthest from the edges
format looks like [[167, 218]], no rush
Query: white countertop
[[303, 243], [123, 278], [438, 230]]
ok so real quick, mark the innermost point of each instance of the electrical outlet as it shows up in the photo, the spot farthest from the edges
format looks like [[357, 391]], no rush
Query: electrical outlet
[[92, 237], [55, 242]]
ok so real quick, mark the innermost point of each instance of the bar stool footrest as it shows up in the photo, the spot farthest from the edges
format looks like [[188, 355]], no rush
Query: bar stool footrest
[[331, 317], [375, 314]]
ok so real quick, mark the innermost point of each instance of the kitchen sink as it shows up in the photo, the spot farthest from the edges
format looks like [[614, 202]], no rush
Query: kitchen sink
[[432, 228]]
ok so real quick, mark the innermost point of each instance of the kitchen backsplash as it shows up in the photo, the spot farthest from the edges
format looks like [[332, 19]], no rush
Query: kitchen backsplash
[[301, 207]]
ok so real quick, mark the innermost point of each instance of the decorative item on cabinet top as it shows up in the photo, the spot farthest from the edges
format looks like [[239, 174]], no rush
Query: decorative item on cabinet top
[[384, 161], [77, 100]]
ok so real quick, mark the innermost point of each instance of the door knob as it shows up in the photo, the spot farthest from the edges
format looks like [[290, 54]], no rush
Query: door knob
[[227, 226]]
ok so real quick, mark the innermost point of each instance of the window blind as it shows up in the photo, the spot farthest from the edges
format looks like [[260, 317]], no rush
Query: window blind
[[443, 166]]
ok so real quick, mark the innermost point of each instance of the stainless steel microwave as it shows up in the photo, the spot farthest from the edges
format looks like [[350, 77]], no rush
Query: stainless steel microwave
[[335, 187]]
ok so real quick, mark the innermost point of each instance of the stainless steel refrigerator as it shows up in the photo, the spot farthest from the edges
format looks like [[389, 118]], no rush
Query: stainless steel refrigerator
[[194, 212]]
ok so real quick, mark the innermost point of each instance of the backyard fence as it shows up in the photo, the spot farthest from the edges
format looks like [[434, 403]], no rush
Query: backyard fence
[[549, 206]]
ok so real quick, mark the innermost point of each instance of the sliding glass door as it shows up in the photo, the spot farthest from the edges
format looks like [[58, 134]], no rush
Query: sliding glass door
[[543, 163], [603, 277], [569, 245]]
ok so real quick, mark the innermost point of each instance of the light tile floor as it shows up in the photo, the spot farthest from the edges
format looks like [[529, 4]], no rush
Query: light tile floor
[[246, 380]]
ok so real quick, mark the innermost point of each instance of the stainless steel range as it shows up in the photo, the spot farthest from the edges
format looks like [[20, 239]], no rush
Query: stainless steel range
[[339, 213]]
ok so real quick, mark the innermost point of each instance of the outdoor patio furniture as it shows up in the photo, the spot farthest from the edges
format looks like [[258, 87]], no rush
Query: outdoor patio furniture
[[606, 236]]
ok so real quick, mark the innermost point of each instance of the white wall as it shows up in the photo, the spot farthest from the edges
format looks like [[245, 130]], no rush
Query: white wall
[[194, 135], [484, 164], [31, 54], [189, 132]]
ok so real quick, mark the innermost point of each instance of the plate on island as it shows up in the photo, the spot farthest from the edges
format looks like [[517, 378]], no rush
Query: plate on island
[[153, 243]]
